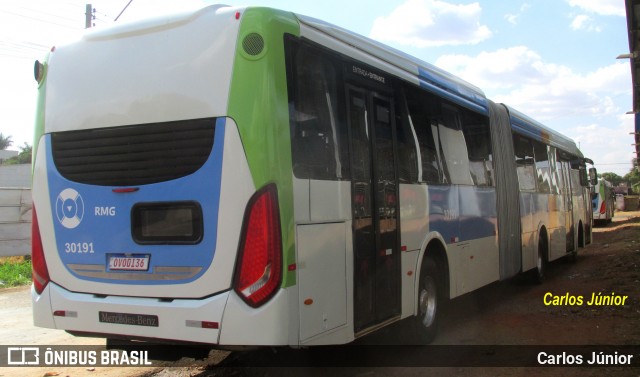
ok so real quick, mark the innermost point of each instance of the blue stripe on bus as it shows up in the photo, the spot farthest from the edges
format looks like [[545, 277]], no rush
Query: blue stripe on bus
[[462, 213], [101, 219], [529, 127], [453, 91]]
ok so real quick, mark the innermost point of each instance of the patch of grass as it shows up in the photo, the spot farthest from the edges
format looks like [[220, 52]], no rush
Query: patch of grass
[[15, 271]]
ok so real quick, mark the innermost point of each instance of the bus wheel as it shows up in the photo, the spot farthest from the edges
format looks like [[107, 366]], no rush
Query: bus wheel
[[573, 256], [538, 273], [426, 322]]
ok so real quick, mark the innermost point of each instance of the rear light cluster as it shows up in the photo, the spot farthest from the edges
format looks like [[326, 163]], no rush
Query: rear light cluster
[[259, 269], [40, 274]]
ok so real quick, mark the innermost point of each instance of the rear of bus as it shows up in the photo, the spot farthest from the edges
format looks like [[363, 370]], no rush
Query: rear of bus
[[602, 201], [162, 181]]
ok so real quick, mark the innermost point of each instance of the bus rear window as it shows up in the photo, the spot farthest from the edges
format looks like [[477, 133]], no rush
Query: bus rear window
[[134, 154], [167, 223]]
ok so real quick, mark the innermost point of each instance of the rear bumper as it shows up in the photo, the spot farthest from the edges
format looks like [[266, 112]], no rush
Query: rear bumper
[[177, 320], [600, 216]]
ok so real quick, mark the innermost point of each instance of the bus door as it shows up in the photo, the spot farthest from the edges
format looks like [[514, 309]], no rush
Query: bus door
[[567, 198], [375, 211]]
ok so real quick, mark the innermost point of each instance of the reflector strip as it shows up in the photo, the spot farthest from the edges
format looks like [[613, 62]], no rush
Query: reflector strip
[[203, 324], [125, 190], [65, 313], [210, 325]]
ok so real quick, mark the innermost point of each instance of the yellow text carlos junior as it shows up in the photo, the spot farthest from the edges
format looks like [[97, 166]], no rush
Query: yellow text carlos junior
[[596, 299]]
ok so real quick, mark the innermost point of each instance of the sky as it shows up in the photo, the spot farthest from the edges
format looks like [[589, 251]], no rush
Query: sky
[[554, 60]]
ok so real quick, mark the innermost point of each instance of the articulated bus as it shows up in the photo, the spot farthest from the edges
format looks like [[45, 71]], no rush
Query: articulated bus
[[249, 176]]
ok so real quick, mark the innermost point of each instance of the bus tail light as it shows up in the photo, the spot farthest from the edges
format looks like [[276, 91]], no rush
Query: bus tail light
[[259, 267], [39, 264]]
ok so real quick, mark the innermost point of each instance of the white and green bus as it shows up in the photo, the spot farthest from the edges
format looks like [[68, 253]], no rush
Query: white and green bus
[[603, 199], [249, 176]]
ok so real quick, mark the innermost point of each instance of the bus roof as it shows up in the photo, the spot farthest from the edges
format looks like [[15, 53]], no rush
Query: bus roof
[[527, 126], [444, 83], [427, 74], [144, 71], [424, 74]]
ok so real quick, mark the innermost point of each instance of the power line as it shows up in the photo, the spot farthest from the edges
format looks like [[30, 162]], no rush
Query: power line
[[40, 20], [95, 11], [125, 8], [13, 56], [21, 49], [49, 14], [74, 4], [24, 44]]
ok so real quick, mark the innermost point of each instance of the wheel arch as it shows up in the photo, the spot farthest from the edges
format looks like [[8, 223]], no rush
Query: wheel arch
[[434, 247]]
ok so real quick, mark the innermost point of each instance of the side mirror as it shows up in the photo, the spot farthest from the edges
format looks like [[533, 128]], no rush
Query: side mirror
[[593, 176]]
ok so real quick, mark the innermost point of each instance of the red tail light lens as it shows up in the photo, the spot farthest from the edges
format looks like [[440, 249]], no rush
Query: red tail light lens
[[40, 274], [259, 268]]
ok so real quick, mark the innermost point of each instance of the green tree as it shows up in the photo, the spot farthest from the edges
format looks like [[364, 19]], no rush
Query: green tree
[[613, 178], [24, 157], [5, 141]]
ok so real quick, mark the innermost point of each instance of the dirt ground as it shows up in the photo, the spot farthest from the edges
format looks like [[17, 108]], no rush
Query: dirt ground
[[511, 313], [500, 315], [515, 312]]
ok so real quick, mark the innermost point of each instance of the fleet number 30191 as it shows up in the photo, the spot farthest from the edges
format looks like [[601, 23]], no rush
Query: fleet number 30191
[[78, 247]]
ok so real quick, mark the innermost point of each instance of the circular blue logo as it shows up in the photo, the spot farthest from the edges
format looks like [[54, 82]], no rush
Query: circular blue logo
[[69, 208]]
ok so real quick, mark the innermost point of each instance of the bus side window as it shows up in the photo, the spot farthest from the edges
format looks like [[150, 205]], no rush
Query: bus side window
[[576, 186], [422, 108], [318, 138], [580, 170], [554, 166], [524, 163], [542, 167], [454, 147], [407, 149], [478, 139]]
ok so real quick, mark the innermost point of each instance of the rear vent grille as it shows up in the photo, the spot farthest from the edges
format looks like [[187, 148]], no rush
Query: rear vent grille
[[133, 155], [253, 44]]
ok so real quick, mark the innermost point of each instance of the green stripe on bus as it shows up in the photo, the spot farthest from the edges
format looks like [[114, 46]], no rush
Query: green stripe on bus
[[258, 104]]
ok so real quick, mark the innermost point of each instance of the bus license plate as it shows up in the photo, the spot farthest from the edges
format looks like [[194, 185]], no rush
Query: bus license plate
[[125, 263]]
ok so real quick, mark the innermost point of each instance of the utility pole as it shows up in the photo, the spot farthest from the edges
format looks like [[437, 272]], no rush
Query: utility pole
[[88, 16]]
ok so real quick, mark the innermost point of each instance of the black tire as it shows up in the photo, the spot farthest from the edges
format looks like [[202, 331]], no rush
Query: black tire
[[572, 256], [538, 274], [425, 324]]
